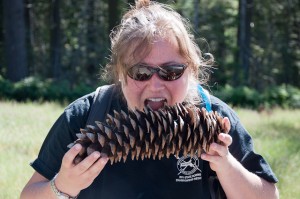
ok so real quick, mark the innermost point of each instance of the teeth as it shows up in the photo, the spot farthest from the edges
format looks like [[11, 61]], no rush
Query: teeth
[[156, 99]]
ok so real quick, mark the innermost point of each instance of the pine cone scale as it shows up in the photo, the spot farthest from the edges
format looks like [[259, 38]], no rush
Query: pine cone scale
[[145, 134]]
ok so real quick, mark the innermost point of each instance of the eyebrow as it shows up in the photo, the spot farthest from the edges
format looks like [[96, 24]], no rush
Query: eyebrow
[[163, 64]]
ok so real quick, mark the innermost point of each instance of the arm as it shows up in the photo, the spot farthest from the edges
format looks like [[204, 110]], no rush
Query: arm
[[67, 180], [234, 178]]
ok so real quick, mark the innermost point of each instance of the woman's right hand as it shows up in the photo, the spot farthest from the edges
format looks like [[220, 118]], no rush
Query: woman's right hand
[[72, 178]]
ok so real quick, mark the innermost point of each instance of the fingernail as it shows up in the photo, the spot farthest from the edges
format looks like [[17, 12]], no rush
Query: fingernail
[[96, 155], [222, 136], [77, 147], [103, 155], [104, 160]]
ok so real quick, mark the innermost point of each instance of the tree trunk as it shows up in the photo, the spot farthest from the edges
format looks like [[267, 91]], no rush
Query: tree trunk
[[196, 14], [55, 39], [91, 39], [2, 65], [114, 12], [244, 53], [15, 40], [29, 36]]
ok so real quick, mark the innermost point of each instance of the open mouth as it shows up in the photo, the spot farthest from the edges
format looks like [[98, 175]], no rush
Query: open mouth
[[155, 103]]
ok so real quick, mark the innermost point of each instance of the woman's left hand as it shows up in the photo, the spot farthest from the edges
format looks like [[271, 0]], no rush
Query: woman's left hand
[[218, 155]]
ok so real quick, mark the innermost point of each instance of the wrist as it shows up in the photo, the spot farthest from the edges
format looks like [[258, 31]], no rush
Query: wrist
[[60, 194], [229, 167]]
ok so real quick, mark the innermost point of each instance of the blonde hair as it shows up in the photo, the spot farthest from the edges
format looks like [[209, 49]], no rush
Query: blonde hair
[[140, 27]]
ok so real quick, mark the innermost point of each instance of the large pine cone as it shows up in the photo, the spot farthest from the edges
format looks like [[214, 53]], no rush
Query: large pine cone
[[142, 134]]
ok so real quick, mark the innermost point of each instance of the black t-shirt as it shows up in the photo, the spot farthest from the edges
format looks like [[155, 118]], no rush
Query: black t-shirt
[[183, 177]]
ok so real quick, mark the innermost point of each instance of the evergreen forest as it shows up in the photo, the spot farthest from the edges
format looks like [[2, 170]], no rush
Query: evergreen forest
[[62, 45]]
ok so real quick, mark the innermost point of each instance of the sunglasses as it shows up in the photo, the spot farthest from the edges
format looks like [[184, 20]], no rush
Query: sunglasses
[[142, 72]]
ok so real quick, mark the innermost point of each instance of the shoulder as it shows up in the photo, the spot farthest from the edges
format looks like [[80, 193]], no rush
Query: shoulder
[[224, 110], [242, 141], [80, 106], [85, 102]]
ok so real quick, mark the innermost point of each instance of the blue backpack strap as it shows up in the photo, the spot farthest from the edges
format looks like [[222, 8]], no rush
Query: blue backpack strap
[[215, 189], [205, 97], [101, 104]]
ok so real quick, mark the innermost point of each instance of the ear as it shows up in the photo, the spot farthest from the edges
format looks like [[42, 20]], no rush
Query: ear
[[122, 79]]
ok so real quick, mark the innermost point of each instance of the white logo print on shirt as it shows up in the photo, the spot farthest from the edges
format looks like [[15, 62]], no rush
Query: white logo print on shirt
[[188, 168]]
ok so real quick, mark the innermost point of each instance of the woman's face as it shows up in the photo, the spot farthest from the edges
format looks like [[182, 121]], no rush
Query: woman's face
[[155, 91]]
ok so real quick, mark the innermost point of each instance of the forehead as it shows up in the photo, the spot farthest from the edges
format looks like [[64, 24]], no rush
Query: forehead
[[162, 52], [156, 52]]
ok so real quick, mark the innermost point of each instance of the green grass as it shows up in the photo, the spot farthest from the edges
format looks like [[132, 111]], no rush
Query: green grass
[[24, 126], [276, 136], [23, 129]]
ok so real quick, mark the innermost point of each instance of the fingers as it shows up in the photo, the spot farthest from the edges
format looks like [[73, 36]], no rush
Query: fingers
[[220, 149], [75, 177], [69, 157], [210, 158], [216, 154], [225, 138], [85, 164], [98, 166], [226, 124], [91, 167]]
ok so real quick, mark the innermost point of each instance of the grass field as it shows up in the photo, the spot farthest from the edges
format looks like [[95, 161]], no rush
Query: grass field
[[24, 126]]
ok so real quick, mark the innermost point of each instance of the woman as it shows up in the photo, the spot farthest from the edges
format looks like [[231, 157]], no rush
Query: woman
[[154, 61]]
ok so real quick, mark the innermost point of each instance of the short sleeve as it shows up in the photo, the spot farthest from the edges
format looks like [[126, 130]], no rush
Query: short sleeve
[[242, 144], [62, 133], [242, 149]]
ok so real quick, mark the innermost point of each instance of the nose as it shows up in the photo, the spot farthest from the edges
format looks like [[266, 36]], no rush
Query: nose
[[155, 83]]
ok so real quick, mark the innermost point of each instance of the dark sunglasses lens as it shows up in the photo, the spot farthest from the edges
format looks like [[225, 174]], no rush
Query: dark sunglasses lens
[[167, 73], [140, 73], [171, 72]]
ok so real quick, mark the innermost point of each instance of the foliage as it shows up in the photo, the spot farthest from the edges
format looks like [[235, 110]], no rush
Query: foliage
[[85, 26], [215, 30], [285, 96], [275, 43], [35, 89], [240, 96]]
